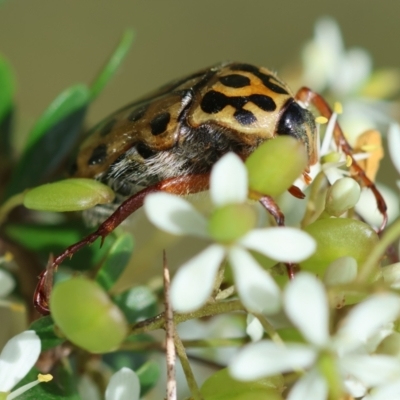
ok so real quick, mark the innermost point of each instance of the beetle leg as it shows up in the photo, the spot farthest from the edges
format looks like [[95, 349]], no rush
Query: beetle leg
[[180, 186], [307, 96]]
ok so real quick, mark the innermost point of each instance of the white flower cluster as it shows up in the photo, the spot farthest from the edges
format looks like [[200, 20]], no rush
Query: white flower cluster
[[344, 358]]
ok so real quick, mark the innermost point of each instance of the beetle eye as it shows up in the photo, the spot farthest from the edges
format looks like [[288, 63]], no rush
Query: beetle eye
[[298, 122]]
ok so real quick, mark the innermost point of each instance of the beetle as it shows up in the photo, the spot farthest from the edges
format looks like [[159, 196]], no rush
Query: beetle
[[169, 140]]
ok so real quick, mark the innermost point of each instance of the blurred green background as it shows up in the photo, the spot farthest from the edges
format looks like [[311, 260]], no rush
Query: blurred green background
[[53, 43]]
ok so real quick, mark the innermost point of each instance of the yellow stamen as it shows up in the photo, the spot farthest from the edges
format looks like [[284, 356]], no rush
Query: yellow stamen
[[338, 108], [349, 161], [45, 378], [321, 120]]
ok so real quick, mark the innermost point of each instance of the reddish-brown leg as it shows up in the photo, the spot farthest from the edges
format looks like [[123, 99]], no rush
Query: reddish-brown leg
[[307, 96], [179, 186]]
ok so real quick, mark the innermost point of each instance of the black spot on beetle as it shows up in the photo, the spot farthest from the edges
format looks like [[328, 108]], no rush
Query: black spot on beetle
[[99, 155], [144, 151], [245, 68], [137, 114], [214, 102], [264, 102], [235, 81], [265, 78], [244, 117], [160, 123], [107, 128]]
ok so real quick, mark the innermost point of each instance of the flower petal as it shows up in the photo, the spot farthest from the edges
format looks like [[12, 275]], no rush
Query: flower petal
[[17, 358], [367, 209], [174, 215], [306, 305], [371, 370], [254, 328], [193, 282], [394, 145], [389, 391], [281, 243], [311, 386], [266, 358], [341, 271], [229, 182], [257, 289], [123, 385], [367, 318]]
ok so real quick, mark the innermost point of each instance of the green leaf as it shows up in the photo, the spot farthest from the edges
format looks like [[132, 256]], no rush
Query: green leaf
[[53, 239], [51, 139], [75, 194], [6, 126], [86, 315], [113, 64], [116, 261], [148, 375], [339, 237], [221, 386], [44, 327], [137, 303], [7, 85]]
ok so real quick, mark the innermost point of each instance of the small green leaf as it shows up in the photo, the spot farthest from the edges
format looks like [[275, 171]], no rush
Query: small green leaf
[[113, 63], [116, 261], [339, 237], [137, 303], [87, 316], [7, 85], [221, 386], [275, 165], [44, 327], [68, 195], [148, 375]]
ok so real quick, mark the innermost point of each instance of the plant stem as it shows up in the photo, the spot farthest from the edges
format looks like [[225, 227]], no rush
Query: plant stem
[[273, 334], [158, 322], [12, 202], [223, 294], [371, 262], [170, 354], [195, 343], [194, 389]]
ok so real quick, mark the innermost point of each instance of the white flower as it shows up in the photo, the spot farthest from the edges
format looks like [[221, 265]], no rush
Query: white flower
[[193, 283], [123, 385], [328, 65], [16, 359], [306, 305]]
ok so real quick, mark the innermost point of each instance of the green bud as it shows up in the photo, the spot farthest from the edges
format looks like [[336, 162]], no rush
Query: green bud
[[339, 237], [342, 195], [68, 195], [231, 222], [87, 316], [275, 165]]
